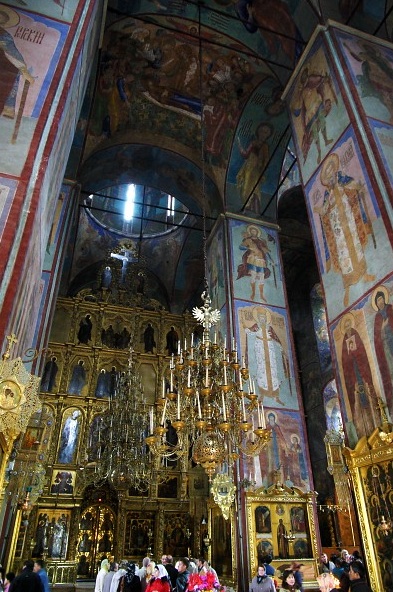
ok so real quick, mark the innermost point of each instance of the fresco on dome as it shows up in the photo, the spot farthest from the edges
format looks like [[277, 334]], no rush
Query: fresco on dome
[[251, 176], [371, 69], [317, 111], [363, 340], [153, 88], [226, 21], [284, 460], [264, 345], [62, 10], [216, 266], [256, 267], [33, 44], [339, 197]]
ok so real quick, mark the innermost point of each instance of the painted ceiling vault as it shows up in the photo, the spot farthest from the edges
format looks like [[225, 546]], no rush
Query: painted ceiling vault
[[165, 67]]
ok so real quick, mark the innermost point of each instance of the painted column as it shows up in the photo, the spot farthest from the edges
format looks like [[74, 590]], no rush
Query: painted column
[[47, 63], [341, 109]]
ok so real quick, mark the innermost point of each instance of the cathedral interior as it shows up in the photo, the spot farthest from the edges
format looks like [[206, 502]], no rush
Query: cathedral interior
[[197, 284]]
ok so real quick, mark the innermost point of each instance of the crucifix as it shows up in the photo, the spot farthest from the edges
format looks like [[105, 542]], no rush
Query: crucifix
[[126, 256]]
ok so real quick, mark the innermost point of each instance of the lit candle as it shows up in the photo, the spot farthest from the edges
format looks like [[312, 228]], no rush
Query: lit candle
[[151, 420], [178, 405], [233, 343], [192, 339], [243, 362], [225, 344], [240, 381], [224, 409], [225, 375], [171, 381], [199, 406], [163, 388], [215, 337], [163, 413], [185, 344], [207, 377], [189, 378]]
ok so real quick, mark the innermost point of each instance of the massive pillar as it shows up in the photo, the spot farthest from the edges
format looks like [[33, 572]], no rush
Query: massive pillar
[[341, 109], [46, 57]]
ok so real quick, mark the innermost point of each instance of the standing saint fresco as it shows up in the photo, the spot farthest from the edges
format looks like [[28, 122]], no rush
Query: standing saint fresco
[[346, 225], [383, 340], [255, 260]]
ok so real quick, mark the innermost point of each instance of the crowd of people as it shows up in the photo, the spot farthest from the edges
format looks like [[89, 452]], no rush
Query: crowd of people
[[166, 576], [347, 572]]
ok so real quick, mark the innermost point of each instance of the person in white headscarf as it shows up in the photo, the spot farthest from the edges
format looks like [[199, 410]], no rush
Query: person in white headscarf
[[101, 576], [159, 581]]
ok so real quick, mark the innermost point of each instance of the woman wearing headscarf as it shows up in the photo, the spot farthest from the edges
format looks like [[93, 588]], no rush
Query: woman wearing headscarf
[[130, 582], [159, 581], [101, 575]]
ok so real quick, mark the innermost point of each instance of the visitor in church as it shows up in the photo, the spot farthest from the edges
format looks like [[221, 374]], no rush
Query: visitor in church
[[39, 569], [167, 562], [113, 568], [357, 576], [101, 576], [118, 575], [9, 577], [325, 566], [288, 581], [296, 568], [266, 560], [159, 582], [130, 582], [184, 575], [143, 571], [27, 580], [262, 582]]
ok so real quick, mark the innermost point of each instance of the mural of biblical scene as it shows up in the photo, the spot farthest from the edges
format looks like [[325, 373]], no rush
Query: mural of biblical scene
[[256, 264], [7, 192], [216, 268], [264, 345], [63, 482], [69, 438], [317, 111], [360, 384], [371, 69], [284, 459], [168, 79], [32, 44], [261, 124], [51, 534], [340, 197], [175, 542], [320, 326], [334, 420]]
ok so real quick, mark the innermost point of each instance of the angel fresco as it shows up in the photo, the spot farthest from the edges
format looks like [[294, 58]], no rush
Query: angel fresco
[[312, 103]]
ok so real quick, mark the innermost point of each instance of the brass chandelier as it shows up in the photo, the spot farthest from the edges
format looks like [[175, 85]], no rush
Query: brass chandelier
[[210, 403]]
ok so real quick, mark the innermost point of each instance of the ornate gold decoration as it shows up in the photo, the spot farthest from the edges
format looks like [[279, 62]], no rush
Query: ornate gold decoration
[[224, 491], [18, 394], [206, 404]]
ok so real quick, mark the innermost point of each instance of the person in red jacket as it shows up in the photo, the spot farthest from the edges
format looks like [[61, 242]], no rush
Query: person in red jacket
[[160, 580]]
